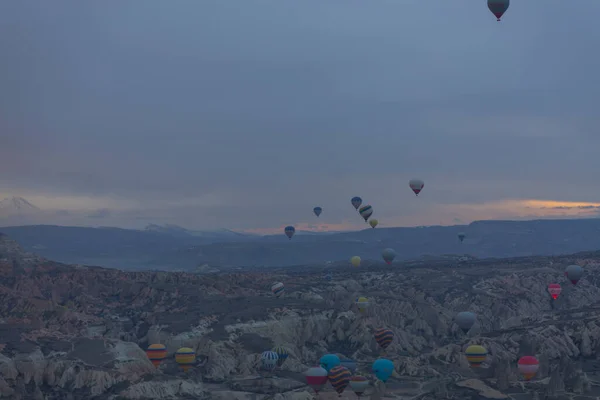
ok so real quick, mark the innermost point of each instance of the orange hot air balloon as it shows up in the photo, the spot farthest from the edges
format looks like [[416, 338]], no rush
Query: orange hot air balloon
[[384, 337], [554, 289], [156, 353], [528, 366], [186, 358]]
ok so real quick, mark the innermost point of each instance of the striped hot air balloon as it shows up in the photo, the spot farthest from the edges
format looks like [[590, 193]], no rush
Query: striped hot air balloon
[[366, 212], [359, 384], [316, 378], [528, 366], [278, 289], [340, 378], [156, 353], [554, 289], [268, 360], [185, 358], [384, 337], [282, 354], [476, 355], [362, 303]]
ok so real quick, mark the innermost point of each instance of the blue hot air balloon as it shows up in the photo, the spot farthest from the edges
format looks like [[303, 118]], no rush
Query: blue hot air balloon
[[317, 211], [383, 369], [329, 361], [289, 231], [356, 202]]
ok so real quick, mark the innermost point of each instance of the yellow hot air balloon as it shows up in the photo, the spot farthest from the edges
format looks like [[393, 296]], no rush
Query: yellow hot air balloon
[[185, 357], [373, 223], [355, 261], [362, 303], [156, 353], [476, 355]]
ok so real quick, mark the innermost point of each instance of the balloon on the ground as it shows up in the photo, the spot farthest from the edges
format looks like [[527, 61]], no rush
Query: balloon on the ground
[[317, 211], [528, 366], [465, 320], [476, 355], [289, 231], [316, 378], [339, 377], [498, 7], [359, 384], [282, 354], [278, 289], [329, 361], [356, 202], [156, 353], [185, 358], [388, 255], [461, 236], [384, 337], [268, 360], [574, 273], [554, 289], [373, 223], [366, 212], [355, 261], [362, 303], [383, 369], [416, 185]]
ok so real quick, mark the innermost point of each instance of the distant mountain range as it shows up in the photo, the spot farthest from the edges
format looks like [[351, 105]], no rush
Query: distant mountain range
[[172, 247]]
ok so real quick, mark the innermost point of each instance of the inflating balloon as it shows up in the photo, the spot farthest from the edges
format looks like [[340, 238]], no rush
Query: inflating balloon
[[373, 223], [465, 320], [329, 361], [554, 289], [156, 353], [356, 202], [498, 7], [574, 273], [268, 360], [476, 355], [384, 337], [359, 384], [317, 211], [416, 185], [388, 255], [383, 369], [278, 289], [316, 378], [289, 231], [339, 377], [185, 358], [528, 366], [366, 212], [355, 261]]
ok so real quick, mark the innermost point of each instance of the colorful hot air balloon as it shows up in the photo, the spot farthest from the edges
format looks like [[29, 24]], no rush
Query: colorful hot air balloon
[[355, 261], [156, 353], [384, 337], [316, 378], [362, 303], [465, 320], [356, 202], [476, 355], [350, 364], [366, 212], [574, 273], [268, 360], [528, 366], [383, 369], [373, 223], [278, 289], [185, 358], [329, 361], [388, 255], [289, 231], [498, 7], [282, 354], [554, 289], [461, 236], [416, 185], [317, 211], [339, 377], [359, 384]]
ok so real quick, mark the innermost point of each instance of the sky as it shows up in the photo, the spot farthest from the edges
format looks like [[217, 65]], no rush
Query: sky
[[246, 114]]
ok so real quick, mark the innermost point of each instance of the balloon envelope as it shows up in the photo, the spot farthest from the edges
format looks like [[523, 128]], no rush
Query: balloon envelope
[[528, 366], [355, 261], [356, 202], [383, 369], [282, 354], [465, 320], [416, 185], [317, 211], [359, 384], [388, 255], [277, 289], [554, 289], [268, 360], [498, 7], [366, 212], [384, 337], [339, 377], [574, 273], [362, 303], [156, 353], [461, 237], [476, 355], [185, 358], [373, 223], [316, 378], [329, 361], [289, 231]]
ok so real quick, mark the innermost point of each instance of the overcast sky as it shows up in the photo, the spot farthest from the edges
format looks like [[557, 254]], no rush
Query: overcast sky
[[247, 113]]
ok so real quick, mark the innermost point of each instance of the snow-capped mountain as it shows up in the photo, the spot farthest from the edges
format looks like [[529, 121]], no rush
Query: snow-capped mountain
[[16, 206]]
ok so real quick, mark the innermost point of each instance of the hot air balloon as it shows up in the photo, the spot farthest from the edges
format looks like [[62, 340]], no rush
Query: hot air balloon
[[289, 231], [268, 360], [528, 366], [366, 212], [278, 289], [384, 337], [339, 377], [416, 185], [185, 358], [476, 355], [317, 211], [282, 354], [388, 255], [465, 320], [356, 202], [554, 289], [156, 353], [316, 378], [359, 384], [574, 273], [498, 7], [362, 303], [355, 261], [383, 369], [461, 236], [373, 223], [350, 364], [329, 361]]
